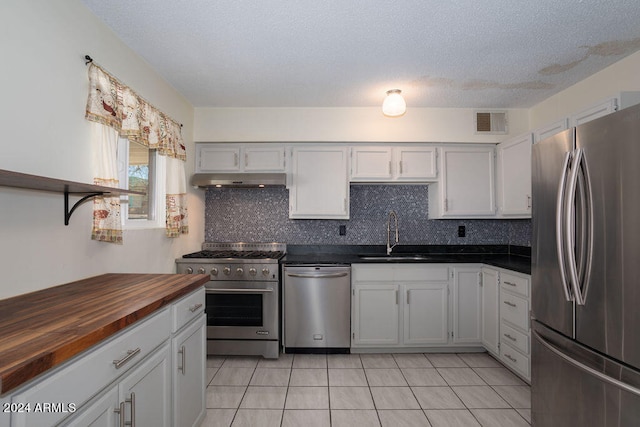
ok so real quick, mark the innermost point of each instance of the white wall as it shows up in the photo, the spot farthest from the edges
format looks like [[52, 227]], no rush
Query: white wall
[[44, 90], [346, 124], [622, 76]]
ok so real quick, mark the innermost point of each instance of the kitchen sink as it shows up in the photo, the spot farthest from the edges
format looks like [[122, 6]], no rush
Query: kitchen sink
[[402, 257]]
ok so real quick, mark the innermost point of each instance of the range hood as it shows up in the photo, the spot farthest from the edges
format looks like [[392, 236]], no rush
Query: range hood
[[239, 180]]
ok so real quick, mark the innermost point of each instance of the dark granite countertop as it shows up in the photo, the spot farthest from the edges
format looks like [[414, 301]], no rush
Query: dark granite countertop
[[515, 258]]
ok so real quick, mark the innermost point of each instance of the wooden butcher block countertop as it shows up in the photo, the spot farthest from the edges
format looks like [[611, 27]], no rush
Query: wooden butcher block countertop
[[42, 329]]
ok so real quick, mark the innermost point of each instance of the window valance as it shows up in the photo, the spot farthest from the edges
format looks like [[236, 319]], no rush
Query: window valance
[[115, 105]]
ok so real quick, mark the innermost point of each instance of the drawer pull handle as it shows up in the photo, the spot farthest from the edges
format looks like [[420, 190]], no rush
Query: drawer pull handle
[[195, 308], [508, 356], [130, 355], [120, 411], [510, 304], [182, 352], [510, 337], [509, 283], [132, 400]]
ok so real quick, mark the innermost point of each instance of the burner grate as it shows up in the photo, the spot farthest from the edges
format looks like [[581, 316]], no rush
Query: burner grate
[[236, 254]]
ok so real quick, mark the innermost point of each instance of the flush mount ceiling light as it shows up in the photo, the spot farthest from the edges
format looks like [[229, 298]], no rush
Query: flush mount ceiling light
[[394, 105]]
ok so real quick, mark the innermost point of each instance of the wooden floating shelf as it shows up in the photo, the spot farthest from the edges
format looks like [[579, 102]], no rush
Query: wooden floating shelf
[[41, 183]]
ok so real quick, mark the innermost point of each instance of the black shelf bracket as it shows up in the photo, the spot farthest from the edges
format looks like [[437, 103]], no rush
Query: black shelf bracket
[[67, 212]]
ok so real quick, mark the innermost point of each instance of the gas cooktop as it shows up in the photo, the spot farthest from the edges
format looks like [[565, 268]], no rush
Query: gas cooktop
[[236, 254], [240, 250]]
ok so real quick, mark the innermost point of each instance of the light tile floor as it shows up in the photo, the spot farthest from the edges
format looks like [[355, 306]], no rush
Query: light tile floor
[[438, 390]]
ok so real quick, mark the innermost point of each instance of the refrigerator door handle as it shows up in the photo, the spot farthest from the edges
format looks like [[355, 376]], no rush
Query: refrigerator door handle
[[603, 377], [569, 225], [560, 207]]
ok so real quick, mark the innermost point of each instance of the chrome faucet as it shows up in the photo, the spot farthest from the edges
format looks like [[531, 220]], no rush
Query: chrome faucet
[[389, 246]]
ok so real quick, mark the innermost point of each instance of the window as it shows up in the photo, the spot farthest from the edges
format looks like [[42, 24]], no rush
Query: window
[[141, 169]]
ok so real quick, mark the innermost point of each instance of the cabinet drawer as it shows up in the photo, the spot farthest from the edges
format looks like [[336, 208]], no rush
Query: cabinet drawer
[[515, 360], [187, 308], [517, 284], [91, 371], [422, 272], [371, 273], [514, 310], [514, 338]]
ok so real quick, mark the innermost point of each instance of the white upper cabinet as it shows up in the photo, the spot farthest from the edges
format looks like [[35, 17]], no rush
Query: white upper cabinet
[[466, 188], [390, 164], [212, 157], [319, 186], [550, 129], [596, 111], [217, 158], [514, 177]]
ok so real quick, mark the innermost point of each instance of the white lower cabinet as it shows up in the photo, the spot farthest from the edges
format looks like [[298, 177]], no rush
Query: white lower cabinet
[[375, 314], [5, 417], [515, 335], [100, 412], [146, 392], [142, 397], [467, 314], [400, 305], [490, 296], [425, 314], [128, 378], [189, 374]]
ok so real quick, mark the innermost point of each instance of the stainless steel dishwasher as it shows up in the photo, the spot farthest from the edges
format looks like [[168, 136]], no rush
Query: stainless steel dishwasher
[[317, 308]]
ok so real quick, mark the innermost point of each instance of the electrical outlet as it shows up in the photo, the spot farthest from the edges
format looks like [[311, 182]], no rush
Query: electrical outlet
[[462, 231], [343, 230]]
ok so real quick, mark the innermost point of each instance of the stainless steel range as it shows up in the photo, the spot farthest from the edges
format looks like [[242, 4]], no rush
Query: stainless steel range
[[242, 296]]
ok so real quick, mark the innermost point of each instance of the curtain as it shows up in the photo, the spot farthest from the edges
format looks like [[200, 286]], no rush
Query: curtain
[[114, 105], [107, 224]]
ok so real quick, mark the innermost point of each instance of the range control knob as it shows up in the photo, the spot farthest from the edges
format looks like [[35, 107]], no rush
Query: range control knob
[[253, 271], [188, 270], [214, 271], [201, 270], [226, 271], [239, 271], [265, 271]]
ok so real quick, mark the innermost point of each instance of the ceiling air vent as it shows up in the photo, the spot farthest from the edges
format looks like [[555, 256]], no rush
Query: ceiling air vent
[[491, 122]]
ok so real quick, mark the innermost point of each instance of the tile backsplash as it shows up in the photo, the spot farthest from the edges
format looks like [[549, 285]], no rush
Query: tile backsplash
[[262, 215]]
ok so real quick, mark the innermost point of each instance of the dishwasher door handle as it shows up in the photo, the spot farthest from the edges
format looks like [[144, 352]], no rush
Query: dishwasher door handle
[[318, 276]]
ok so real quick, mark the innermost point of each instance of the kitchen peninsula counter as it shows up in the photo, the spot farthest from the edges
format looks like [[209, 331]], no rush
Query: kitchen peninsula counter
[[41, 330], [515, 258]]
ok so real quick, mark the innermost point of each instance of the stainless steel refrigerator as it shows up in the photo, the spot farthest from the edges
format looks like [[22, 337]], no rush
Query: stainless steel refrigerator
[[586, 275]]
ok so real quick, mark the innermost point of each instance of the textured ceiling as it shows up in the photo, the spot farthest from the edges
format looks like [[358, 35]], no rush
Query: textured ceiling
[[347, 53]]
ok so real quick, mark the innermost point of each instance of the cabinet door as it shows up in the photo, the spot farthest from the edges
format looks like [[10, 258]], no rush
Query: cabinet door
[[320, 185], [551, 129], [376, 314], [216, 158], [370, 164], [466, 305], [189, 374], [415, 163], [490, 307], [146, 391], [599, 110], [468, 182], [266, 158], [99, 413], [514, 177], [5, 417], [425, 313]]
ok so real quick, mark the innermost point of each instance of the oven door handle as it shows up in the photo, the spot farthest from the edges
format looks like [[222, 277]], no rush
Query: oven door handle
[[238, 291], [317, 276]]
